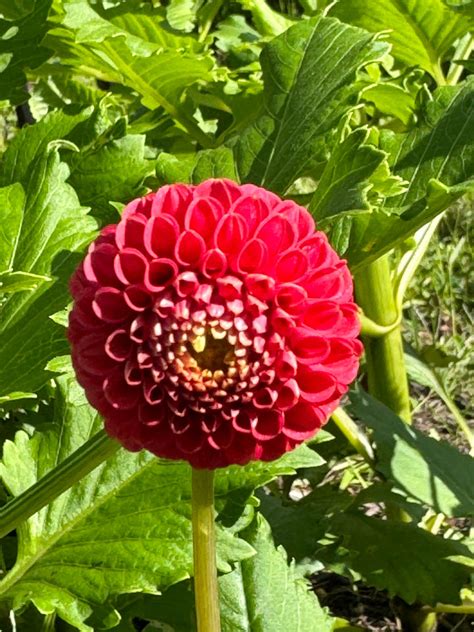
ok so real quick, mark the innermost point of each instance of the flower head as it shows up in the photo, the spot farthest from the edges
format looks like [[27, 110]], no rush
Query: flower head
[[213, 324]]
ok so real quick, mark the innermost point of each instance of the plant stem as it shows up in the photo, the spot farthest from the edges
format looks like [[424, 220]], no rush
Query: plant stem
[[387, 375], [386, 370], [353, 434], [94, 452], [204, 551]]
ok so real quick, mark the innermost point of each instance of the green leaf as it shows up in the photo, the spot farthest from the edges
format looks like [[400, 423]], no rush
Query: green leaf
[[403, 559], [32, 141], [436, 159], [298, 526], [182, 14], [392, 99], [53, 227], [267, 21], [136, 51], [421, 31], [263, 594], [126, 527], [210, 163], [12, 199], [11, 282], [310, 83], [267, 596], [430, 471], [17, 10], [354, 178], [113, 171], [20, 46]]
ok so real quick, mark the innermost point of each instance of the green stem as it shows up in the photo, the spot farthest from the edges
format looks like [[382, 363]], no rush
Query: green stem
[[353, 434], [94, 452], [387, 376], [204, 550], [386, 370]]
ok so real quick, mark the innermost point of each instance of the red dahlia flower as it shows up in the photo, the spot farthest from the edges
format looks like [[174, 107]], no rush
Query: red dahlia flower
[[213, 324]]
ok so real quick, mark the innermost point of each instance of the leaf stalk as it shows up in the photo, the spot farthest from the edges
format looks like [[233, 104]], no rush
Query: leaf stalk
[[70, 471]]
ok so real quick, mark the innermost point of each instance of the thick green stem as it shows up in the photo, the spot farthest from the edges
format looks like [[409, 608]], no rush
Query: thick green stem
[[387, 377], [204, 550], [94, 452]]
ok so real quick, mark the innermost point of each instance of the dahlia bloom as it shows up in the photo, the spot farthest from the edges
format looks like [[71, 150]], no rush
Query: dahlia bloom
[[213, 324]]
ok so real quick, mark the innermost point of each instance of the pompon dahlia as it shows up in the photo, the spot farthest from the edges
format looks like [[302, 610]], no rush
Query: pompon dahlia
[[213, 324]]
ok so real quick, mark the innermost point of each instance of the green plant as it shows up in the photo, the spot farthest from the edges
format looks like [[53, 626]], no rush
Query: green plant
[[361, 111]]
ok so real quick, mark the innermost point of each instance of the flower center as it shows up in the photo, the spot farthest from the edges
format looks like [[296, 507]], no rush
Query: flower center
[[212, 353]]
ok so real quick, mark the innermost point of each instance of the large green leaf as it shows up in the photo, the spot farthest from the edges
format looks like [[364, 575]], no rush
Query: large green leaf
[[263, 594], [403, 559], [52, 227], [267, 596], [126, 527], [310, 83], [436, 159], [134, 50], [20, 46], [430, 471], [421, 31]]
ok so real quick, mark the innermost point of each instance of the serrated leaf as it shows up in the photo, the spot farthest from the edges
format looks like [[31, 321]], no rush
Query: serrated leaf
[[309, 77], [403, 559], [354, 172], [421, 31], [298, 526], [125, 527], [432, 472], [268, 595], [210, 163], [136, 51], [53, 227], [436, 159], [20, 46], [263, 594]]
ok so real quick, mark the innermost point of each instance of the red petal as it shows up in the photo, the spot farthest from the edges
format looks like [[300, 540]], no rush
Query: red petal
[[109, 305], [302, 421], [230, 233], [189, 248], [130, 266], [130, 232], [252, 257], [160, 273], [202, 216], [291, 266], [161, 234]]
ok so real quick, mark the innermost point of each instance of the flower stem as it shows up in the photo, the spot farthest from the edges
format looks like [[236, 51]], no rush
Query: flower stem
[[204, 549], [94, 452], [386, 370]]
